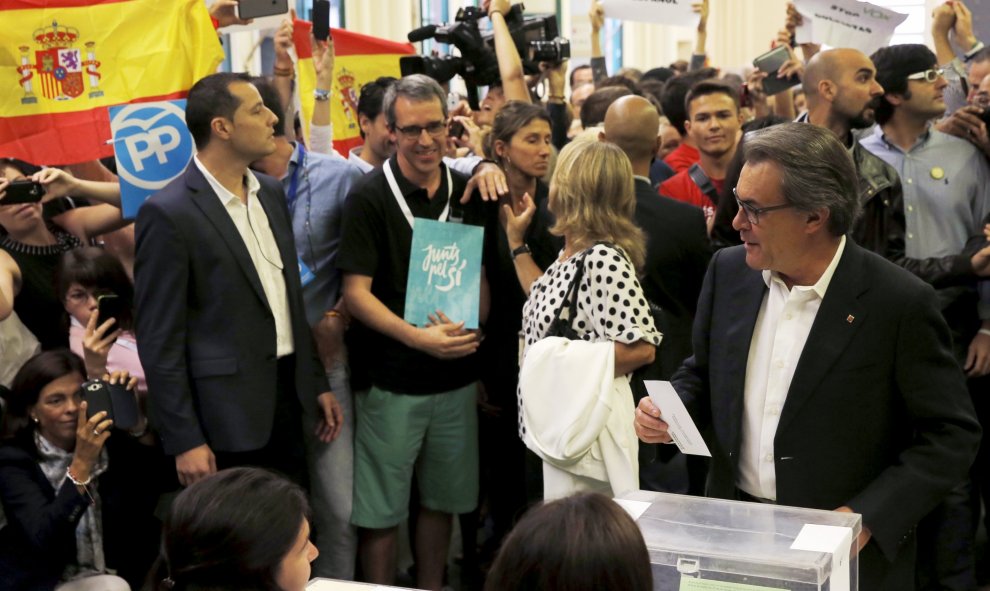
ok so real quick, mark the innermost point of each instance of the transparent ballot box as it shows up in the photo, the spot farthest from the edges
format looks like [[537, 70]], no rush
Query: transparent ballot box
[[699, 544]]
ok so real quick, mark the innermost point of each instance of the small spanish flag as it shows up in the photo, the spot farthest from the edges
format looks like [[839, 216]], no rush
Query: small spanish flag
[[359, 59], [63, 62]]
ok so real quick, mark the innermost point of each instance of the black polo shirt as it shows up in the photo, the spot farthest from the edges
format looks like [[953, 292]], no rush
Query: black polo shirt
[[375, 242]]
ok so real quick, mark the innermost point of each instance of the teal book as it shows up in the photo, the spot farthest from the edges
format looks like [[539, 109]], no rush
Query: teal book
[[444, 272]]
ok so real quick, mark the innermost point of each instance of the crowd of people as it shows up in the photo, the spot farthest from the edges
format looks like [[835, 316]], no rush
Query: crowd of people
[[807, 268]]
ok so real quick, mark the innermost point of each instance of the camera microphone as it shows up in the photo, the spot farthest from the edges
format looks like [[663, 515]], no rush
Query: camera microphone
[[422, 33]]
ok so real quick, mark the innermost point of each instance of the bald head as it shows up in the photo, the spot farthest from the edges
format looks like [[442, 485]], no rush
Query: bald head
[[632, 123], [829, 65]]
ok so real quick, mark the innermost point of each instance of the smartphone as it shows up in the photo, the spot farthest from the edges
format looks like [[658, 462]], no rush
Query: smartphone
[[456, 129], [321, 20], [22, 191], [984, 116], [770, 62], [110, 307], [119, 403], [248, 9]]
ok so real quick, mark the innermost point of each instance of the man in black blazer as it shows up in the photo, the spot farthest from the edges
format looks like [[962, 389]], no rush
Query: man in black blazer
[[677, 246], [824, 371], [224, 342], [677, 254]]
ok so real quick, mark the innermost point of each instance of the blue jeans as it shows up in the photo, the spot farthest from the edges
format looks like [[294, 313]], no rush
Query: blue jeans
[[331, 475]]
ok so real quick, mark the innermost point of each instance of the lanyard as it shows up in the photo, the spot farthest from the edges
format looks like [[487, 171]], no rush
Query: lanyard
[[291, 194], [390, 176]]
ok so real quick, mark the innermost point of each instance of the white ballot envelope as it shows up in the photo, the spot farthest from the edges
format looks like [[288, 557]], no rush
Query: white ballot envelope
[[680, 425]]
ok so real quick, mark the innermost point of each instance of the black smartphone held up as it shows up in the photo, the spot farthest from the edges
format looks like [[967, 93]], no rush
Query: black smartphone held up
[[110, 307], [456, 129], [985, 116], [248, 9], [119, 403], [321, 20], [770, 62], [22, 191]]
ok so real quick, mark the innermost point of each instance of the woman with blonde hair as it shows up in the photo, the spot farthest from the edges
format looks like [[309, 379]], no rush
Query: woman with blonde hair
[[589, 294]]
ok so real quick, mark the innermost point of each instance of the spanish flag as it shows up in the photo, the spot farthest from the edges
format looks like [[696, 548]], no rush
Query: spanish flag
[[359, 59], [63, 62]]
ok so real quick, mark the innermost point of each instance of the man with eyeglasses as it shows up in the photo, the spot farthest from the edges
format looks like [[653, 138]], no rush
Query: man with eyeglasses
[[823, 371], [420, 412], [843, 95], [946, 196]]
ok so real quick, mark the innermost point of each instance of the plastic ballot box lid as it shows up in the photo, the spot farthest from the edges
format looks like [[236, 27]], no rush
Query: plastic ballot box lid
[[701, 544], [320, 584]]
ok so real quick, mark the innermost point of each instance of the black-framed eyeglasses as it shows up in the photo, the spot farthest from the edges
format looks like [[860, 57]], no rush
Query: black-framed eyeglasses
[[928, 75], [753, 213], [412, 132]]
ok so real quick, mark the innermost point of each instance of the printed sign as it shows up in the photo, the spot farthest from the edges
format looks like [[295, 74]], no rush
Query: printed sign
[[665, 12], [152, 146], [444, 272], [847, 23]]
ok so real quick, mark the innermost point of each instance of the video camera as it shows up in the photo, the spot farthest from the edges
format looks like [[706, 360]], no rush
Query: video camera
[[536, 39]]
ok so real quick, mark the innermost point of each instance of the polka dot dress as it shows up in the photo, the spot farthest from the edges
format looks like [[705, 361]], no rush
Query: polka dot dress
[[611, 304]]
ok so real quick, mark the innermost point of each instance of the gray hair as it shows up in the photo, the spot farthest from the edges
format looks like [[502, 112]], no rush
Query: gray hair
[[416, 88], [816, 170]]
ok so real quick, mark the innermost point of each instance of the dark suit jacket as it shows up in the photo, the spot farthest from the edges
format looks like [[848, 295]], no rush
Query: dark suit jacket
[[677, 254], [877, 416], [206, 331]]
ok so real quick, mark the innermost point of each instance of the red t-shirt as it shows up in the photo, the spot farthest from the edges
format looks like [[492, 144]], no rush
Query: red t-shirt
[[682, 188], [682, 157]]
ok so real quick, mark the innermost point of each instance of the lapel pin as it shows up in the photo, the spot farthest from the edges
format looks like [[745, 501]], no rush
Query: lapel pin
[[938, 173], [850, 318]]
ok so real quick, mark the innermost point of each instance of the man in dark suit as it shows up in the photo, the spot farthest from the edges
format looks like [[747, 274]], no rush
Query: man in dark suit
[[824, 371], [225, 346], [677, 247], [677, 253]]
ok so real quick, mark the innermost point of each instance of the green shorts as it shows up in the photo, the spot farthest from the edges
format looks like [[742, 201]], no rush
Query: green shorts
[[435, 434]]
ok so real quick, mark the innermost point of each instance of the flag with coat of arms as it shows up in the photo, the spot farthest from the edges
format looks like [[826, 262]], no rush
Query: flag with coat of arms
[[358, 59], [63, 62]]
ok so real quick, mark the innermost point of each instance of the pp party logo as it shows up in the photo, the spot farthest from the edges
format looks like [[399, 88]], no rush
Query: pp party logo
[[152, 146]]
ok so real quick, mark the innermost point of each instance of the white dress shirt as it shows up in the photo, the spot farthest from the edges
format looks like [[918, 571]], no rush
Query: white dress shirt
[[252, 225], [781, 331]]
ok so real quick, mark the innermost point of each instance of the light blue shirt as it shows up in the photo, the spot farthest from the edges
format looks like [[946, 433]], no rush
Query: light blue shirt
[[946, 183], [317, 216]]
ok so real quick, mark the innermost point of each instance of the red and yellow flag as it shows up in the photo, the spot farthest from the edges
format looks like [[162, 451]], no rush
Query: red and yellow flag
[[63, 62], [359, 59]]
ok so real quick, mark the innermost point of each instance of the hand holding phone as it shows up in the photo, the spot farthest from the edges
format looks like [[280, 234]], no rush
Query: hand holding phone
[[251, 9], [109, 307], [770, 62], [116, 400], [22, 191]]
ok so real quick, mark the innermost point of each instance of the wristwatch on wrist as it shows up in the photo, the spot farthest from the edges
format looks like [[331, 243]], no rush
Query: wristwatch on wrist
[[524, 249], [321, 95]]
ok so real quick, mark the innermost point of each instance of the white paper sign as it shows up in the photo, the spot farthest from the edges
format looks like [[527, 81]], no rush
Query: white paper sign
[[834, 540], [847, 23], [666, 12], [679, 423], [635, 509]]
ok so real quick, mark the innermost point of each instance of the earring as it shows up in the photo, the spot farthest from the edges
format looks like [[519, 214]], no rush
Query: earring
[[35, 419]]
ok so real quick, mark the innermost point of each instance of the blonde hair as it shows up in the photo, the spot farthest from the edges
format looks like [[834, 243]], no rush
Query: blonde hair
[[594, 198]]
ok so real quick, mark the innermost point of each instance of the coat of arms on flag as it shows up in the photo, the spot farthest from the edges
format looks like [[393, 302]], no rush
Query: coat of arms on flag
[[59, 66]]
